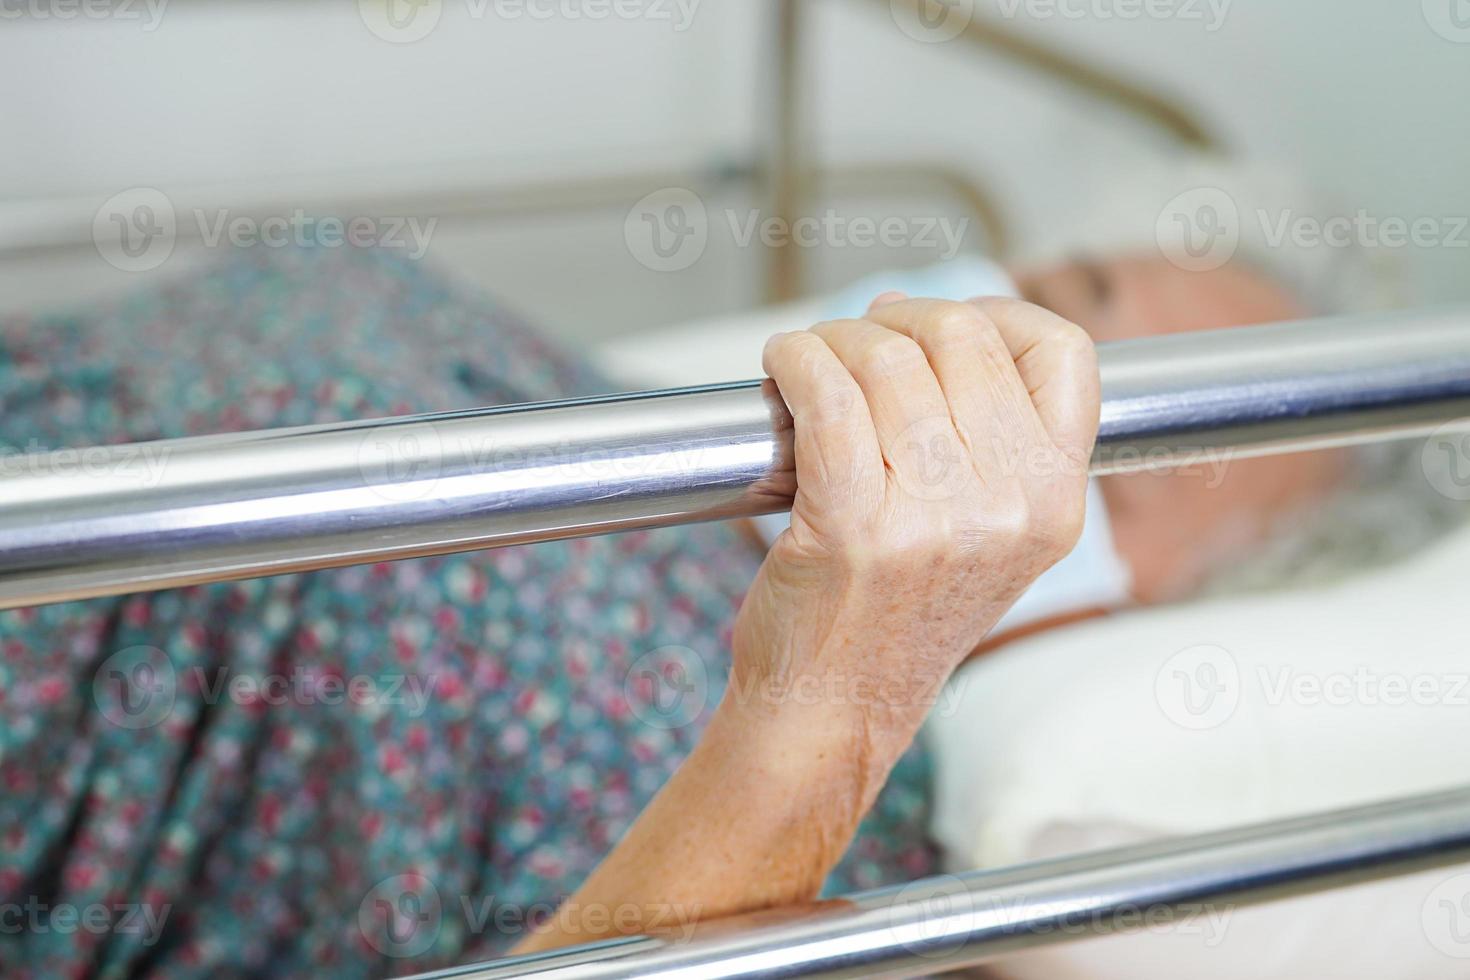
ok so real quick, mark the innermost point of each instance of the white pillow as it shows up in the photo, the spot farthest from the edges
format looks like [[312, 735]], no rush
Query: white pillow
[[1107, 733], [712, 351]]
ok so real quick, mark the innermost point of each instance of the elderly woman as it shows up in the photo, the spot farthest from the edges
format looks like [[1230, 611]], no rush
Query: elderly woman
[[185, 796]]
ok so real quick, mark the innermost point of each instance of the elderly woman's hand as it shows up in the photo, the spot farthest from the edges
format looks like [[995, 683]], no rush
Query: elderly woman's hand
[[941, 455]]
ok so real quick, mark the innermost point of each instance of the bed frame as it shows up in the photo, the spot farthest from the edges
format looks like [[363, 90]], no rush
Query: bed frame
[[783, 174], [368, 491]]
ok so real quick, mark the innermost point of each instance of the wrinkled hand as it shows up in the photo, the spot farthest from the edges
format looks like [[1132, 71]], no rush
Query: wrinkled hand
[[941, 457], [941, 462]]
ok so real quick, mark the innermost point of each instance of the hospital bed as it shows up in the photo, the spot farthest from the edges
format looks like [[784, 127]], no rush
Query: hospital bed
[[367, 491]]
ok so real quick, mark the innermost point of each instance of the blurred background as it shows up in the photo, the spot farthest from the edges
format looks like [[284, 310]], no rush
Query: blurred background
[[520, 136]]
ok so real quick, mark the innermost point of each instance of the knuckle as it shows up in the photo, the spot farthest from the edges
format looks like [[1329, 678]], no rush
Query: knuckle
[[948, 332], [834, 403], [805, 347], [1073, 339], [890, 353], [808, 362], [1000, 306], [996, 309], [1042, 525], [983, 328], [953, 325], [795, 348], [1068, 523], [1013, 521], [1059, 520], [829, 329]]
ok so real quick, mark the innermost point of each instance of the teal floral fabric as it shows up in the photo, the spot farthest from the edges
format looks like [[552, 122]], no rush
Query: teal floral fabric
[[366, 772]]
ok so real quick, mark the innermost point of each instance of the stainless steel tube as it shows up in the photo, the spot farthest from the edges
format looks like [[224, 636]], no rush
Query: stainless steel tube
[[967, 920], [109, 520]]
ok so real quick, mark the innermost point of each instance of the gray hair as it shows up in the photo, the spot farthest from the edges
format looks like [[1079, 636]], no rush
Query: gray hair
[[1389, 506]]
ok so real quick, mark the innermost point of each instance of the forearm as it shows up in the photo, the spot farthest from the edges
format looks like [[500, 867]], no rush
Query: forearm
[[755, 818]]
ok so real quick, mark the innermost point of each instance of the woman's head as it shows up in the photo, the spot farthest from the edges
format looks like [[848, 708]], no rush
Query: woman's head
[[1175, 529], [1127, 296]]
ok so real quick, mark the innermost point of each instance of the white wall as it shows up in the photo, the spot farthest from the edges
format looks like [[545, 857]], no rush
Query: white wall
[[1364, 98]]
